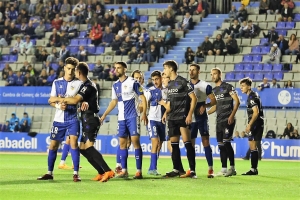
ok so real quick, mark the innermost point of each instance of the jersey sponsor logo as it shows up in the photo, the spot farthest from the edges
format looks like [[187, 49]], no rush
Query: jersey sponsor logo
[[219, 96], [172, 90]]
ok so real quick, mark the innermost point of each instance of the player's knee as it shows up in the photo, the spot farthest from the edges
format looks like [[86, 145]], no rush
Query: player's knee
[[205, 141]]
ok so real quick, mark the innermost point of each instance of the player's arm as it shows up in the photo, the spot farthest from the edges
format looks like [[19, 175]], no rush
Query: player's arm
[[139, 91], [168, 109], [212, 109], [254, 115], [237, 103], [53, 98], [143, 104], [112, 104]]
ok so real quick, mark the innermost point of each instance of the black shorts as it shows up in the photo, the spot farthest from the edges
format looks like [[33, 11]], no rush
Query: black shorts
[[224, 131], [256, 132], [90, 127], [174, 127]]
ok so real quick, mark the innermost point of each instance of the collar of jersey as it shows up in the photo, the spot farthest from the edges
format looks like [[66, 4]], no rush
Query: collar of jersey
[[124, 80], [195, 83], [70, 80]]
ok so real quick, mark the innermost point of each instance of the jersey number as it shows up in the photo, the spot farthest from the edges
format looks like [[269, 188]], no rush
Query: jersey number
[[54, 130]]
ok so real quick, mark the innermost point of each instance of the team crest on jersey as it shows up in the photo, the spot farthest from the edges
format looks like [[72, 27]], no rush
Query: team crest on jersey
[[125, 87], [72, 87], [140, 89]]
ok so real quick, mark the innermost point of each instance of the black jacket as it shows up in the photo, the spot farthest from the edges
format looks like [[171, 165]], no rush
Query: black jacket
[[285, 45], [236, 29], [272, 36], [219, 44], [115, 45], [289, 13], [206, 46]]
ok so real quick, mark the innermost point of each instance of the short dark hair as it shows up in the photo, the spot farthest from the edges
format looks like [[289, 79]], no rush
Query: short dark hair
[[249, 21], [137, 71], [195, 65], [124, 64], [83, 68], [72, 61], [171, 63], [156, 73], [246, 80]]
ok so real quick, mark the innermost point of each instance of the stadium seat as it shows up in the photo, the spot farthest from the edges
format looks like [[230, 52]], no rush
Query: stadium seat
[[238, 67], [255, 50], [74, 42], [258, 77], [248, 67], [5, 58], [265, 50], [257, 67], [278, 75], [263, 41], [13, 58], [54, 66], [277, 67], [290, 25], [282, 32], [73, 49], [229, 76], [82, 34], [280, 25], [91, 49], [257, 58], [247, 58], [91, 66], [239, 76], [82, 42], [267, 67], [99, 50], [269, 76], [143, 19], [250, 75]]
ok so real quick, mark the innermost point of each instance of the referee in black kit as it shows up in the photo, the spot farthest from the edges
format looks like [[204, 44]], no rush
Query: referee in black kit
[[90, 122]]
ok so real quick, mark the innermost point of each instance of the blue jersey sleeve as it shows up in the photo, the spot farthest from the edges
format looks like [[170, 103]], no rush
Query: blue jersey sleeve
[[208, 90], [137, 88]]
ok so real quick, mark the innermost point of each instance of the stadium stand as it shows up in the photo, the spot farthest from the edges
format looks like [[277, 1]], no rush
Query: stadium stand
[[248, 62]]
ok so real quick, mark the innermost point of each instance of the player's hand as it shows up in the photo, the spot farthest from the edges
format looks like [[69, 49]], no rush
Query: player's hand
[[84, 106], [202, 110], [188, 119], [164, 118], [63, 106], [230, 119], [145, 119], [102, 118], [248, 127]]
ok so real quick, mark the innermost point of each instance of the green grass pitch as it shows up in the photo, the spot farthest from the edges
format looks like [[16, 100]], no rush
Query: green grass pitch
[[18, 173]]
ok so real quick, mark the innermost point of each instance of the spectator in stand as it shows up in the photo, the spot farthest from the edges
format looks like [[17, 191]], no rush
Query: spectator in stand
[[274, 6], [5, 71], [6, 126], [297, 58], [95, 36], [141, 44], [19, 79], [176, 5], [26, 46], [151, 55], [14, 31], [98, 69], [13, 14], [63, 53], [41, 54], [32, 71], [274, 84], [158, 23], [242, 14], [24, 126], [168, 21], [47, 67], [5, 39], [23, 5], [233, 13], [60, 68], [186, 22], [131, 15], [231, 46], [282, 44], [218, 46], [293, 45], [23, 28], [24, 69], [189, 56], [134, 37], [42, 79], [54, 40], [64, 38], [13, 119], [105, 21], [145, 34], [104, 75], [264, 7], [1, 19], [125, 47], [202, 8], [16, 127], [100, 12], [116, 43], [56, 7], [132, 56], [149, 43], [125, 21], [31, 8], [286, 13], [22, 17], [89, 14], [112, 75], [149, 83], [56, 22], [107, 38], [272, 36], [295, 135], [169, 10], [206, 46], [136, 25], [120, 12], [47, 15], [263, 85], [65, 8], [199, 56], [39, 7], [160, 46], [270, 135], [288, 85], [233, 30], [243, 29], [52, 76], [288, 131], [290, 3], [29, 80], [275, 55], [64, 26], [17, 46], [72, 30], [40, 30], [81, 54], [30, 30], [252, 31], [193, 4]]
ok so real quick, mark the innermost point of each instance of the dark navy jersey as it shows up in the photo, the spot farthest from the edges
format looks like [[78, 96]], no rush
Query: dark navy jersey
[[89, 93], [252, 101], [178, 96], [224, 101]]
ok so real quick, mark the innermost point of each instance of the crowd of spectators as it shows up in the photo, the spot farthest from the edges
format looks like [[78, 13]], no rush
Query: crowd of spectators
[[16, 125]]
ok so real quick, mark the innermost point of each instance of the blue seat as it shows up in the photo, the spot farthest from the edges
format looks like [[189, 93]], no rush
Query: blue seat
[[265, 50], [250, 75], [290, 25], [2, 65], [82, 42], [229, 76], [238, 67], [248, 67], [267, 67], [88, 41], [99, 50], [48, 27], [297, 17], [33, 41], [255, 50], [91, 49], [91, 66], [73, 49], [13, 58], [54, 66], [74, 42], [258, 77], [263, 41], [5, 58], [256, 58], [247, 58], [269, 76], [278, 75], [239, 76], [143, 19], [82, 34], [281, 32], [277, 67], [257, 67], [280, 25]]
